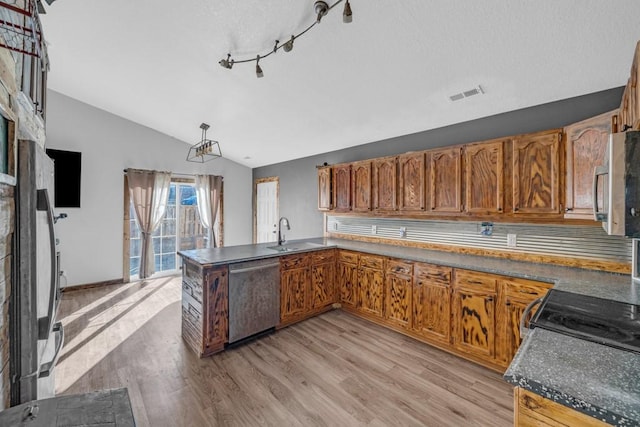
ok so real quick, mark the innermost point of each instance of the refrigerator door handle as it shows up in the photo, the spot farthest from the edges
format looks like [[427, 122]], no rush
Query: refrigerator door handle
[[47, 368], [44, 323]]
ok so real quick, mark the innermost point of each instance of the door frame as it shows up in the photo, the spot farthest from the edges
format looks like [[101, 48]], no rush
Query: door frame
[[255, 201]]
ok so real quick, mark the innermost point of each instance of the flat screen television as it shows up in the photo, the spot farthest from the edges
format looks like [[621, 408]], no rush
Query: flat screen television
[[67, 168]]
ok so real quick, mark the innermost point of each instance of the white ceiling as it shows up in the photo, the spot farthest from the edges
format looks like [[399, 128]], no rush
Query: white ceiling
[[388, 73]]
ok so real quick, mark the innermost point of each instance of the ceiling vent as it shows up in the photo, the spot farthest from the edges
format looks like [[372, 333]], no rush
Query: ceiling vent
[[467, 93]]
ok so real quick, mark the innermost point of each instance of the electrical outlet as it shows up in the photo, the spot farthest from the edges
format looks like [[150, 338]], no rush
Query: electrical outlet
[[335, 225], [403, 231], [512, 241], [374, 229]]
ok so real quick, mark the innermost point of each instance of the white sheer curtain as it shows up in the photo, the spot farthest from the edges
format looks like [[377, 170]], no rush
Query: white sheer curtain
[[208, 189], [149, 192]]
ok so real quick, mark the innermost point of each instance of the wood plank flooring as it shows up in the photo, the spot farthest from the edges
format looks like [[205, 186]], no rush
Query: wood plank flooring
[[331, 370]]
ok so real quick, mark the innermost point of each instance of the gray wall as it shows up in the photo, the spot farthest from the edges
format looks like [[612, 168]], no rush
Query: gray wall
[[298, 179]]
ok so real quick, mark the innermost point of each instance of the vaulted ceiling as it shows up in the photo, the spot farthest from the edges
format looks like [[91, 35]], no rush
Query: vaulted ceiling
[[388, 73]]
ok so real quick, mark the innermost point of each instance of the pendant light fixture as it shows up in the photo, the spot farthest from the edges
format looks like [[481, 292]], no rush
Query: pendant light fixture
[[205, 150], [320, 8]]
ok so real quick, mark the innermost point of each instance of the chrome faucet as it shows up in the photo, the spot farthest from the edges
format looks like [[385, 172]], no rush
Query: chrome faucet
[[281, 239]]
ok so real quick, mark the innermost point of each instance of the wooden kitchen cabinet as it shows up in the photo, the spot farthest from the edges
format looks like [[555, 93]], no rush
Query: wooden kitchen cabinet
[[217, 296], [445, 181], [398, 282], [412, 181], [342, 187], [347, 278], [536, 173], [484, 177], [323, 275], [531, 409], [586, 145], [325, 201], [432, 301], [294, 284], [629, 115], [361, 186], [371, 284], [474, 308], [516, 295], [385, 184]]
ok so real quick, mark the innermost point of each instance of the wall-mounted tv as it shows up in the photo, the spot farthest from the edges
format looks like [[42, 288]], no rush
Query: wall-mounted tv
[[67, 168]]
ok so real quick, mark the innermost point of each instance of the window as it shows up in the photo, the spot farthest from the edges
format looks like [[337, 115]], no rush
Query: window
[[179, 230]]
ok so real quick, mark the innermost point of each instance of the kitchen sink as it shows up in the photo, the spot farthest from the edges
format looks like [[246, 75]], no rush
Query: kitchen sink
[[295, 247]]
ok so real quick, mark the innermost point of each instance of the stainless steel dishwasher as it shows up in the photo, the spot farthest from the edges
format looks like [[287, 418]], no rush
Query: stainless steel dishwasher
[[254, 297]]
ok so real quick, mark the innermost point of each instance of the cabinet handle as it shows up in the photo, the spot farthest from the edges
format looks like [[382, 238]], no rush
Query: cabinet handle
[[499, 209], [490, 299], [568, 209], [516, 209]]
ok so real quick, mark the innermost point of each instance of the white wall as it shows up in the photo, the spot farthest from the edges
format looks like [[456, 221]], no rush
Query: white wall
[[91, 237]]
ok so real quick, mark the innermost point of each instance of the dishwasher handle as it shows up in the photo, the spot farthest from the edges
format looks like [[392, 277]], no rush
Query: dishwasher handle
[[257, 267]]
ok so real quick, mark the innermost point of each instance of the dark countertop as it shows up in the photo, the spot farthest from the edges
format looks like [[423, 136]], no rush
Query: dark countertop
[[591, 378]]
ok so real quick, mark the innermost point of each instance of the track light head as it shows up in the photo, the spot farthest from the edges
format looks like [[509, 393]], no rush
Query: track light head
[[226, 63], [259, 72], [347, 14], [321, 8], [288, 45]]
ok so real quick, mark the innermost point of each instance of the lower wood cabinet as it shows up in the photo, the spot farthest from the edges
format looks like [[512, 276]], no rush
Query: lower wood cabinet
[[531, 409], [371, 285], [398, 292], [432, 302], [307, 284], [205, 326], [474, 307], [347, 278]]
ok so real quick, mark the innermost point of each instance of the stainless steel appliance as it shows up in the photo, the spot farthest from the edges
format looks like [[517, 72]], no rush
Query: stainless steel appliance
[[254, 297], [617, 184], [603, 321], [35, 336]]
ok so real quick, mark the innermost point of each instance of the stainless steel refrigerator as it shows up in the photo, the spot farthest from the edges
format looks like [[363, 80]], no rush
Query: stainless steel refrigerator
[[36, 337]]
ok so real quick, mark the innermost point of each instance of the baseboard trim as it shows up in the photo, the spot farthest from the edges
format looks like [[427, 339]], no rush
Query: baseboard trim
[[119, 281]]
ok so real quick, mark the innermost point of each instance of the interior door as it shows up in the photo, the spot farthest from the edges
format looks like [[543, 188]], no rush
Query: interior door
[[266, 210]]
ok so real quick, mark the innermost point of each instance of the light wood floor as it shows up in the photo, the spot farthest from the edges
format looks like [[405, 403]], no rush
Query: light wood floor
[[334, 369]]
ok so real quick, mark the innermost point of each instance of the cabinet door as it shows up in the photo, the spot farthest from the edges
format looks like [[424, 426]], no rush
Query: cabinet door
[[385, 184], [348, 283], [361, 186], [445, 181], [371, 291], [217, 321], [342, 188], [474, 322], [586, 146], [398, 293], [484, 177], [293, 293], [412, 184], [324, 189], [536, 173], [432, 302], [322, 285]]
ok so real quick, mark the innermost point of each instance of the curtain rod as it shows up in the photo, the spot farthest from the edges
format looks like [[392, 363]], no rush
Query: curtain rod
[[176, 173]]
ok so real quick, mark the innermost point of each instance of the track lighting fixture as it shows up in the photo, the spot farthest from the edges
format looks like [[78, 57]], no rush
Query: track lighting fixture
[[320, 8], [258, 68]]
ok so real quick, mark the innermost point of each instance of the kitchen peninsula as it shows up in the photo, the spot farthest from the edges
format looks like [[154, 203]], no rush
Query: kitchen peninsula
[[391, 292]]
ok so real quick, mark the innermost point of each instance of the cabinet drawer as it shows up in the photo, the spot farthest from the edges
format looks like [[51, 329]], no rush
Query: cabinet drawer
[[397, 266], [372, 261], [474, 280], [348, 257], [434, 274], [294, 261], [320, 257], [525, 288]]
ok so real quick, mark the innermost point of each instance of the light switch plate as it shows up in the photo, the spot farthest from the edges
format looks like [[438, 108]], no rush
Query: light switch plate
[[403, 231], [512, 240], [374, 229]]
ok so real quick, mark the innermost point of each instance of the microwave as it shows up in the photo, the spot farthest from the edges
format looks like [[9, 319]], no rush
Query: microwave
[[616, 186]]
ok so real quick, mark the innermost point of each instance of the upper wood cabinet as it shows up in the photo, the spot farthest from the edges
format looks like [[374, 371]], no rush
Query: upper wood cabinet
[[325, 201], [412, 182], [445, 189], [586, 145], [385, 184], [536, 173], [342, 187], [629, 115], [484, 177], [361, 186]]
